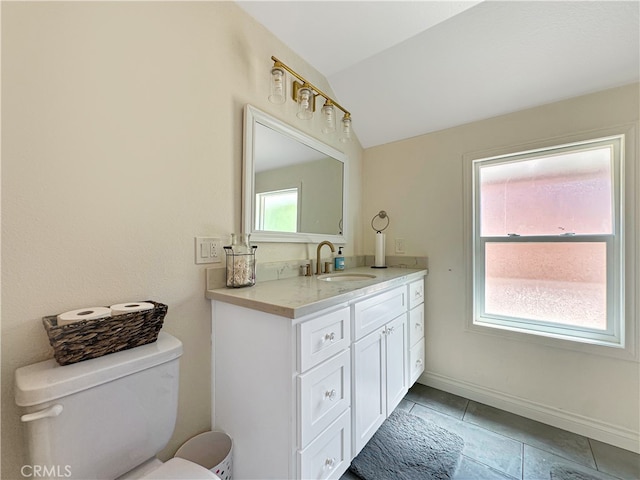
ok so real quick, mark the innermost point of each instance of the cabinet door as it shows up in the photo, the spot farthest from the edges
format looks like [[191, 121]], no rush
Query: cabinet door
[[416, 325], [324, 392], [328, 456], [416, 293], [396, 361], [369, 392], [416, 362], [323, 337], [374, 312]]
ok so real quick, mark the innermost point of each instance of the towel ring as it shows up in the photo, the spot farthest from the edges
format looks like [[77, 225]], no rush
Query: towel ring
[[382, 214]]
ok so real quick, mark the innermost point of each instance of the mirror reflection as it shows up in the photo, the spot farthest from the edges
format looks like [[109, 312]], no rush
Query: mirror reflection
[[296, 183]]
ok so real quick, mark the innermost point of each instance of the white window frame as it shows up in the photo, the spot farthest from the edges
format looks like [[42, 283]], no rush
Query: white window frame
[[614, 335]]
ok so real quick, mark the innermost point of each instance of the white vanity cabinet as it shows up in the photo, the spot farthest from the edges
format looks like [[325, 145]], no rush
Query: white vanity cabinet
[[301, 390]]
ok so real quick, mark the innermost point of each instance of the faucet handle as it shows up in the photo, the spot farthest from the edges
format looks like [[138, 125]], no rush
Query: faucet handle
[[327, 267]]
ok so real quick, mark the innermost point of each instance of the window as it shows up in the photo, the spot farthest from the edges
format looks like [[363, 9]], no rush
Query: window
[[277, 211], [547, 242]]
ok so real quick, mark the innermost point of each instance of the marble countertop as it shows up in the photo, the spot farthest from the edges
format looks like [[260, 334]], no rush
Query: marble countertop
[[299, 296]]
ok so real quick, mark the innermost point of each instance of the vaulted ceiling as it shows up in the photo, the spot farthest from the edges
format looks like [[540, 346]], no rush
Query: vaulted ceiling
[[405, 68]]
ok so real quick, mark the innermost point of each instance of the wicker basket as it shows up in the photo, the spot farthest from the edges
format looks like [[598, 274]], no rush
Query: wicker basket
[[87, 339]]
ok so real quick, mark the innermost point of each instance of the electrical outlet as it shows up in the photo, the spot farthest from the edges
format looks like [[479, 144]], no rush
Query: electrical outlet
[[400, 245], [208, 250]]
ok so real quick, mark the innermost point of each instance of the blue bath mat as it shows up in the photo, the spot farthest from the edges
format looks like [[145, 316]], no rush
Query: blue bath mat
[[408, 447]]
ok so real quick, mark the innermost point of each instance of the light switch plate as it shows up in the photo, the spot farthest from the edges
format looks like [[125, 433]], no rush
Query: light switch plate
[[208, 250], [400, 245]]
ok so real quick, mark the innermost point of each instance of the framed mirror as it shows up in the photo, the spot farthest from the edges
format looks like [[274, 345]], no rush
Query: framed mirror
[[293, 184]]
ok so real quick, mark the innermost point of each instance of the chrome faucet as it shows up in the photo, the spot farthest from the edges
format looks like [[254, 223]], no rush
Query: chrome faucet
[[333, 250]]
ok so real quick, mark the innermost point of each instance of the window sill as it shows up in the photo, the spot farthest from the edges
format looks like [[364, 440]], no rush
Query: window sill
[[627, 352]]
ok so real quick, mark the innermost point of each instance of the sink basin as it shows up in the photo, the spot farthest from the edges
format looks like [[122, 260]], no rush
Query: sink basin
[[345, 277]]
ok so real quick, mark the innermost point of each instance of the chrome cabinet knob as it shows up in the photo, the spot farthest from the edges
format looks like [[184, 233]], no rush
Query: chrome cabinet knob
[[330, 394]]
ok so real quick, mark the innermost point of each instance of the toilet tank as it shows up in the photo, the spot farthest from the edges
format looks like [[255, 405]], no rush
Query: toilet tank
[[100, 418]]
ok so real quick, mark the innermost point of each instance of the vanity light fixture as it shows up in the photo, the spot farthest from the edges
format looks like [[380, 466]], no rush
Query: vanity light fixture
[[305, 93], [346, 128], [328, 117], [278, 85], [306, 102]]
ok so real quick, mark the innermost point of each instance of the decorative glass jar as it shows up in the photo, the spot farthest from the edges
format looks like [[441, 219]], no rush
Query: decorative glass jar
[[241, 261]]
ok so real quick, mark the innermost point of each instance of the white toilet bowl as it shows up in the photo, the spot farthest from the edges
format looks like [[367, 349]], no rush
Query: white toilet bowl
[[173, 469]]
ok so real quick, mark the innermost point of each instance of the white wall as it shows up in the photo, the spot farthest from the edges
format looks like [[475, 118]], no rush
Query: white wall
[[419, 182], [121, 141]]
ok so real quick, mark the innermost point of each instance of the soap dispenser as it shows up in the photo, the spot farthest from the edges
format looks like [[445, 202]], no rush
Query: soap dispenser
[[339, 260]]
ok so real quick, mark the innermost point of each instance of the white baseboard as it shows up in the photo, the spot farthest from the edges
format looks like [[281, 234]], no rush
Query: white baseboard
[[601, 431]]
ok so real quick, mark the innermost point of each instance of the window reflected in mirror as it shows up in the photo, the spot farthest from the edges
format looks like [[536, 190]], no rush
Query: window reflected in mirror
[[277, 211]]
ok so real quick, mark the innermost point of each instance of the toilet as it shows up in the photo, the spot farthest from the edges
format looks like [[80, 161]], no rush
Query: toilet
[[105, 418]]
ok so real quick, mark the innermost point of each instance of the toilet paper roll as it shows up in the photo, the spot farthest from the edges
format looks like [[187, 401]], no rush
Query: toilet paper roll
[[122, 308], [89, 313], [380, 243]]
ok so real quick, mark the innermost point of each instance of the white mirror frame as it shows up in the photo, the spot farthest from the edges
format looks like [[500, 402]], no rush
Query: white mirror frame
[[252, 116]]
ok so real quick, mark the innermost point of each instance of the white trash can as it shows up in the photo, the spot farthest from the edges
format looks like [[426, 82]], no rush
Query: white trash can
[[212, 450]]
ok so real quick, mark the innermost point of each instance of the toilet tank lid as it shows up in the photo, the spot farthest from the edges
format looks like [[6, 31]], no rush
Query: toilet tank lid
[[46, 381]]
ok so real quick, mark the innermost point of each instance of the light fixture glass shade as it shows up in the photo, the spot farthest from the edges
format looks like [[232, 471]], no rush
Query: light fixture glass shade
[[328, 117], [278, 86], [346, 129], [305, 103]]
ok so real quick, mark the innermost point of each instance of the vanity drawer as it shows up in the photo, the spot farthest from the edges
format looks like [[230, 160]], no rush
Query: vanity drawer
[[416, 293], [323, 394], [329, 455], [416, 362], [376, 311], [323, 337], [416, 324]]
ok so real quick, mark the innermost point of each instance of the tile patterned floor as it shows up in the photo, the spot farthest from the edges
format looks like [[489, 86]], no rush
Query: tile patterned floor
[[503, 446]]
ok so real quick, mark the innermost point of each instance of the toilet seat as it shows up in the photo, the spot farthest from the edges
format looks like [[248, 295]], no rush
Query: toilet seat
[[180, 469]]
